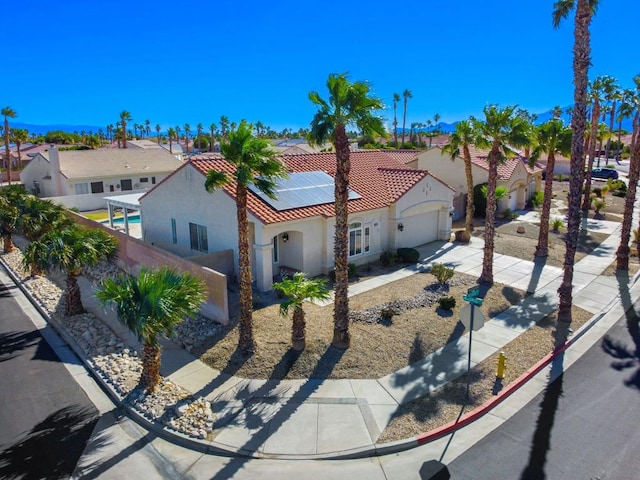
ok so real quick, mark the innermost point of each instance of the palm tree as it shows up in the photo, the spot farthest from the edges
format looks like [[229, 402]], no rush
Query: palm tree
[[625, 110], [151, 305], [595, 96], [147, 127], [502, 129], [10, 199], [396, 99], [256, 165], [406, 95], [8, 113], [199, 128], [39, 216], [556, 111], [212, 129], [584, 10], [124, 118], [177, 129], [19, 136], [551, 137], [463, 136], [612, 94], [158, 128], [300, 288], [622, 254], [349, 104], [70, 250], [224, 126], [171, 134], [187, 132]]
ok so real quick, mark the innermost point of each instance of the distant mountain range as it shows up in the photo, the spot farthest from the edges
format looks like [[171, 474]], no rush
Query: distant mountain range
[[627, 124]]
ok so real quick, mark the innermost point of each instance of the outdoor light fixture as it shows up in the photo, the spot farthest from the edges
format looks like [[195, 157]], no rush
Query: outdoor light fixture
[[285, 237], [400, 227]]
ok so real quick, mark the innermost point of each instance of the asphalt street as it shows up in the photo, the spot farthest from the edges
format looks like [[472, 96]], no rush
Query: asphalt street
[[46, 419], [584, 426]]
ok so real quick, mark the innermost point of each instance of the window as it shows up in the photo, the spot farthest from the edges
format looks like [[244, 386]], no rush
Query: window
[[359, 239], [174, 231], [144, 180], [36, 187], [153, 180], [126, 184], [198, 235], [276, 252], [97, 187], [81, 188]]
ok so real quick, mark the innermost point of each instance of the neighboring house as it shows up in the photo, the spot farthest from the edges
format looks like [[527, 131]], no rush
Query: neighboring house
[[390, 206], [176, 148], [520, 180], [57, 173]]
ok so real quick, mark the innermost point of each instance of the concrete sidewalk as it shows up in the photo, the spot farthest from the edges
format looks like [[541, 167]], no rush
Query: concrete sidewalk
[[344, 418]]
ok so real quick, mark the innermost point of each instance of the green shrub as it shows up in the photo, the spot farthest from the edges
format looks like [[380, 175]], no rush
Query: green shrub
[[447, 303], [598, 192], [506, 213], [408, 255], [442, 273], [353, 269], [598, 205], [556, 224], [537, 199], [388, 258]]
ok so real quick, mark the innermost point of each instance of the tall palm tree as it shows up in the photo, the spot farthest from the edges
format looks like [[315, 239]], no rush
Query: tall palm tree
[[69, 251], [584, 11], [556, 111], [171, 133], [212, 129], [595, 96], [19, 136], [396, 99], [151, 305], [298, 289], [502, 128], [256, 165], [147, 127], [177, 129], [158, 128], [463, 136], [622, 254], [551, 137], [8, 113], [224, 126], [612, 94], [124, 118], [199, 128], [406, 95], [625, 110], [187, 132], [349, 104]]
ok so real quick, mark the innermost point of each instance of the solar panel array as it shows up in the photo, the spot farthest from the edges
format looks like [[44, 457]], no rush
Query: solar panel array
[[303, 189]]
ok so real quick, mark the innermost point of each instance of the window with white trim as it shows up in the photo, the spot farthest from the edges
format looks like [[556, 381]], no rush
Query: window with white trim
[[359, 239], [276, 250], [81, 188]]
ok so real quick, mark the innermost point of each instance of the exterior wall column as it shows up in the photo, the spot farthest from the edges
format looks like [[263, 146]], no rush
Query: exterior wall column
[[264, 266], [445, 221]]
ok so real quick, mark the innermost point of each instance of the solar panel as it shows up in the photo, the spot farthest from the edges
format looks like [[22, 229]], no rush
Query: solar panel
[[303, 189]]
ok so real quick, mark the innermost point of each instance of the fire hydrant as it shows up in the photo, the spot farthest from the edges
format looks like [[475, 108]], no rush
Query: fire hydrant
[[502, 365]]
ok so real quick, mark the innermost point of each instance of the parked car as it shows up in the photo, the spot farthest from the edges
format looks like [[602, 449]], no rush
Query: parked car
[[604, 173]]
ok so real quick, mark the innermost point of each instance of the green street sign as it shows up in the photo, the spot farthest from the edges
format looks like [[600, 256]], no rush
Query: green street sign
[[473, 300], [474, 291]]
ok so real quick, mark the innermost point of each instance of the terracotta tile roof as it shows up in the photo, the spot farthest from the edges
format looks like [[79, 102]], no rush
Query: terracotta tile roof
[[505, 169], [377, 177], [403, 156]]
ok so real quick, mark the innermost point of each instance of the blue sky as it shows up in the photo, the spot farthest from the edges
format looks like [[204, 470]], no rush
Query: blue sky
[[81, 62]]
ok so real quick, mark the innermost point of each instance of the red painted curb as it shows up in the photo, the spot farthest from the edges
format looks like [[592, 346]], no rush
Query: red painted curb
[[488, 406]]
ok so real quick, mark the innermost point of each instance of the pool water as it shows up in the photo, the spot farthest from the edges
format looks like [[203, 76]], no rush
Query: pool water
[[120, 220]]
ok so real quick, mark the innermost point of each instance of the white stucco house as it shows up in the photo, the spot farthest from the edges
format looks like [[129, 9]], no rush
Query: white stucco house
[[520, 180], [390, 206], [100, 173]]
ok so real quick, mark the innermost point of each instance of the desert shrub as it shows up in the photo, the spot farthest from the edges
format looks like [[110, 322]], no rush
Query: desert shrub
[[604, 190], [506, 213], [626, 156], [442, 273], [447, 303], [387, 314], [559, 177], [388, 258], [408, 255], [598, 192], [556, 224], [537, 199], [598, 205], [463, 236]]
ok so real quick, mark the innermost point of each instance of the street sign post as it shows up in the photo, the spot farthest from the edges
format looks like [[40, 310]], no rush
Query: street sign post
[[467, 314]]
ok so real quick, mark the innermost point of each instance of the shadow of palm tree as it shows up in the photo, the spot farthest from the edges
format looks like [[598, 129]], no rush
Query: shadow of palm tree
[[256, 409], [11, 343], [541, 442], [6, 290], [538, 266], [52, 448]]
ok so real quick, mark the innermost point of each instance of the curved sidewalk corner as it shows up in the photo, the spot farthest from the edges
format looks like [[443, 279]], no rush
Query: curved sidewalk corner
[[343, 418]]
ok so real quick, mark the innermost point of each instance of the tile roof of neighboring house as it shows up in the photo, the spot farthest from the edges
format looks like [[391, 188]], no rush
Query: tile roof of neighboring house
[[144, 143], [506, 168], [107, 163], [404, 156], [378, 178]]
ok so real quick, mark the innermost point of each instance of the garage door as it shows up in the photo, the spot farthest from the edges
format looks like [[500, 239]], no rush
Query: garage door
[[419, 229]]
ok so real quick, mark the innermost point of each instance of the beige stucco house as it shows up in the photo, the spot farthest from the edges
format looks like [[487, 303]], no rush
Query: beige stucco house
[[520, 180], [89, 175], [390, 206]]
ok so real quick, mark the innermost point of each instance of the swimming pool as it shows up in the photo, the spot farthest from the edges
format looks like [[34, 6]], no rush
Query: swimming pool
[[120, 220]]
